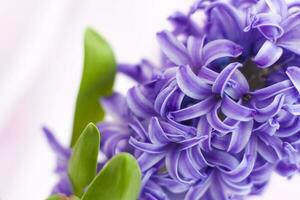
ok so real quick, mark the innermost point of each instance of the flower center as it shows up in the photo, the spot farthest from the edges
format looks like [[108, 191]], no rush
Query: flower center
[[255, 76]]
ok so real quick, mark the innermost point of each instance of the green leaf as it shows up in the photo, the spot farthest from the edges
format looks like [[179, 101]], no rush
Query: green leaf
[[62, 197], [97, 80], [83, 162], [120, 179]]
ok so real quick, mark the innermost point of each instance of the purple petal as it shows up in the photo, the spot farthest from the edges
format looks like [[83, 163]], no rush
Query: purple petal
[[188, 143], [116, 105], [197, 155], [194, 111], [189, 169], [214, 120], [268, 54], [139, 104], [268, 24], [208, 75], [294, 75], [286, 169], [140, 72], [153, 191], [172, 48], [113, 144], [278, 6], [190, 84], [171, 184], [198, 190], [273, 90], [242, 188], [138, 129], [269, 127], [291, 22], [243, 170], [146, 160], [63, 186], [290, 130], [203, 128], [147, 147], [219, 49], [168, 99], [261, 173], [227, 18], [156, 133], [172, 162], [221, 159], [194, 47], [269, 148], [294, 109], [263, 114], [224, 77], [60, 151], [291, 40], [235, 110], [240, 137]]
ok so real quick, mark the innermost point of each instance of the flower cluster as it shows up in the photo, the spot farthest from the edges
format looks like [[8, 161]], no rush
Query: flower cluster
[[221, 112]]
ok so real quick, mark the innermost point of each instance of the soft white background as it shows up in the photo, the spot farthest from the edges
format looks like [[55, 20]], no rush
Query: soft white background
[[40, 69]]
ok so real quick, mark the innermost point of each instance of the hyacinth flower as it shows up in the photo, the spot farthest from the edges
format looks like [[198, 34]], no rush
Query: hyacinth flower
[[223, 111], [220, 113]]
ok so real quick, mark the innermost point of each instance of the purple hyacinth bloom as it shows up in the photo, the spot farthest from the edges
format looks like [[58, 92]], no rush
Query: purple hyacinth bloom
[[221, 111], [63, 154]]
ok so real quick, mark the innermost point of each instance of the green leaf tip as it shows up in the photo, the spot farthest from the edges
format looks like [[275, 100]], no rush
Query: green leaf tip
[[119, 179], [97, 80], [82, 166]]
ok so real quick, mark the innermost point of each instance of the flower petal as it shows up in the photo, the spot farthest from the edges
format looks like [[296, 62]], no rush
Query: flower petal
[[235, 110], [273, 90], [147, 147], [172, 162], [219, 49], [156, 133], [240, 137], [139, 104], [173, 49], [263, 114], [268, 54], [244, 169], [214, 120], [294, 109], [278, 6], [190, 84], [268, 24], [291, 40], [198, 190], [221, 159], [294, 75], [193, 111], [222, 80], [194, 47], [290, 130], [116, 105], [147, 161]]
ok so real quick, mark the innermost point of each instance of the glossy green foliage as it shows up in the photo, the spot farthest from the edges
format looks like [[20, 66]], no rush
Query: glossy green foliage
[[97, 80], [83, 162], [120, 179]]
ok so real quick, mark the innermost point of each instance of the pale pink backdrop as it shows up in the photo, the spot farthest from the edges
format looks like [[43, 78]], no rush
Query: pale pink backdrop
[[40, 68]]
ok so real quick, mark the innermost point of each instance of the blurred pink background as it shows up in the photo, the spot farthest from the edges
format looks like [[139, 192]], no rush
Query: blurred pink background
[[40, 68]]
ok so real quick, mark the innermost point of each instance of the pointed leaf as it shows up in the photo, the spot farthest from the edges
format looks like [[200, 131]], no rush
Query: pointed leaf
[[97, 80], [119, 179], [83, 161]]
